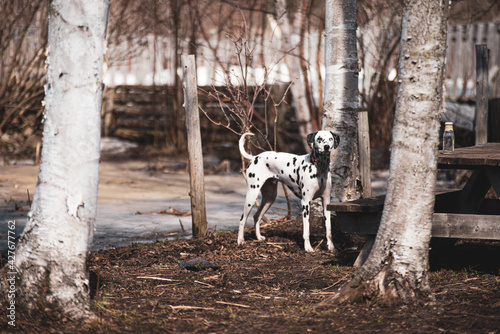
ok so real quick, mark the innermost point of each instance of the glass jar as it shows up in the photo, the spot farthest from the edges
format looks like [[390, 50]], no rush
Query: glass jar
[[448, 138]]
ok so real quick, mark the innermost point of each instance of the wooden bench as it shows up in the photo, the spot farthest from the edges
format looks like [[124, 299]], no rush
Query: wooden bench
[[363, 217]]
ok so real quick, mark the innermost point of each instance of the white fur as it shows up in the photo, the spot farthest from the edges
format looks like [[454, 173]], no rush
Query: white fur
[[307, 176]]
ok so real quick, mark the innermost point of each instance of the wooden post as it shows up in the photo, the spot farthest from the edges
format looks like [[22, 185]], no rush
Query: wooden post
[[196, 174], [481, 123], [364, 154]]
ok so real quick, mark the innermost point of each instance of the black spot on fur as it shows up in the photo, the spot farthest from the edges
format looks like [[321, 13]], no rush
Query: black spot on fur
[[267, 165], [288, 164], [242, 215], [282, 171], [256, 160], [251, 175]]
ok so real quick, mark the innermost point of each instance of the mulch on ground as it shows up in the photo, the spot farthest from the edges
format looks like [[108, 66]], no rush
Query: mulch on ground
[[272, 286]]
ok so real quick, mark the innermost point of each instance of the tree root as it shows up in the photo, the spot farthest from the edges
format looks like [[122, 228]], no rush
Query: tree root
[[386, 288]]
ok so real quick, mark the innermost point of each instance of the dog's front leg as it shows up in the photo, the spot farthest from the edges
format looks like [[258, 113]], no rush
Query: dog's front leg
[[328, 226], [327, 215], [306, 212]]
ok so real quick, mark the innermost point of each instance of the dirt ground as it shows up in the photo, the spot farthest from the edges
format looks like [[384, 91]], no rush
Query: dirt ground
[[272, 287]]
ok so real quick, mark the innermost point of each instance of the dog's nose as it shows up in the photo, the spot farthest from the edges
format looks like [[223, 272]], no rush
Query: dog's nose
[[327, 147]]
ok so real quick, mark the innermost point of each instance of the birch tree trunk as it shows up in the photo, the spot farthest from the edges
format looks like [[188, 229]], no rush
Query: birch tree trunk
[[340, 112], [397, 267], [293, 62], [52, 252]]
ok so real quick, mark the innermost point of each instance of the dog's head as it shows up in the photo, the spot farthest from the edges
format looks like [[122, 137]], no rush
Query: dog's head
[[322, 142]]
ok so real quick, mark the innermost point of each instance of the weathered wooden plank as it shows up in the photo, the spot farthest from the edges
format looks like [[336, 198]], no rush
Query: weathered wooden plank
[[196, 173], [376, 204], [482, 60], [471, 157], [449, 225], [364, 153], [444, 225], [372, 204]]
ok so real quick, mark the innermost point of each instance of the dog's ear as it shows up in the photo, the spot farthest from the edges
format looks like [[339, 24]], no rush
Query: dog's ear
[[310, 139], [336, 140]]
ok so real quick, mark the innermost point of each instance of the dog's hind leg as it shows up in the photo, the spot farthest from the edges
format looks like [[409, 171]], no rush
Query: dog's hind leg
[[252, 194], [269, 192]]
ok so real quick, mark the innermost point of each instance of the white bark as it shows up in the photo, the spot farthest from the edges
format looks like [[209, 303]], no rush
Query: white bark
[[53, 250], [397, 267], [340, 113], [291, 49], [405, 229]]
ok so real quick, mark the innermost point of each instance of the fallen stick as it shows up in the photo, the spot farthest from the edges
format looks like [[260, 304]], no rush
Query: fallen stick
[[233, 304], [157, 278], [205, 284], [185, 307]]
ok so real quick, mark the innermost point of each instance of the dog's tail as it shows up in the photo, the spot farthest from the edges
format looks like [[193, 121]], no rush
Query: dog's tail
[[242, 146]]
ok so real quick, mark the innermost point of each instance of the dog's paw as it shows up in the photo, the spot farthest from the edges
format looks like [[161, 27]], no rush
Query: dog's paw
[[331, 247], [308, 248], [261, 238], [241, 241]]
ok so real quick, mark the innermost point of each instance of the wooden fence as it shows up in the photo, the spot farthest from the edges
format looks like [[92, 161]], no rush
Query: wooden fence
[[461, 59], [146, 113]]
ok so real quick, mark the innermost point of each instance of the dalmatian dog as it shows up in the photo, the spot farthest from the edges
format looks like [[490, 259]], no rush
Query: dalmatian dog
[[307, 176]]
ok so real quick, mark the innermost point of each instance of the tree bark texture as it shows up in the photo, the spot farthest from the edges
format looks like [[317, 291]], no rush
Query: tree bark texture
[[340, 113], [299, 92], [397, 267], [52, 252]]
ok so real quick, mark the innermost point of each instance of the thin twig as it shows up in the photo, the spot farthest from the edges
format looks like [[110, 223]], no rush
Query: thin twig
[[186, 307], [233, 304], [158, 278], [205, 284]]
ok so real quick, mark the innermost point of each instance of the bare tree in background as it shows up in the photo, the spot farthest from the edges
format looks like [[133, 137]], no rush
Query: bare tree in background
[[127, 31], [378, 48], [397, 267], [298, 87], [51, 257], [23, 40]]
